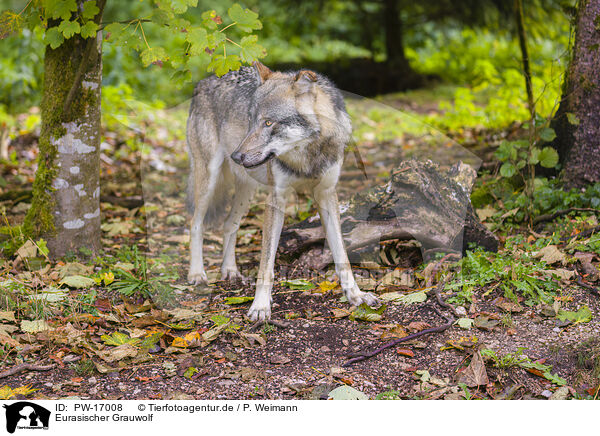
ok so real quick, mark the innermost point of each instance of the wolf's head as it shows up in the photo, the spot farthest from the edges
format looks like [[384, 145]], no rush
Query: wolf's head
[[289, 111]]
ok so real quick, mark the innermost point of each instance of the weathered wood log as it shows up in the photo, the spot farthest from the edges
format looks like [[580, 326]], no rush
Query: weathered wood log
[[421, 201]]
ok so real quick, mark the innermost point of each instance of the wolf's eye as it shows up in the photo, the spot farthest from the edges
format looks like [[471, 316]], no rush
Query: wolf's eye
[[268, 123]]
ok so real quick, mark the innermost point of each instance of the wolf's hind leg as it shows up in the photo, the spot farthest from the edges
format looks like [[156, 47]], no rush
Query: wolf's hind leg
[[204, 178], [244, 192], [329, 212]]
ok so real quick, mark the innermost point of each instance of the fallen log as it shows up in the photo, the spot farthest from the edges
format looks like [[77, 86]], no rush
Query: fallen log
[[420, 201]]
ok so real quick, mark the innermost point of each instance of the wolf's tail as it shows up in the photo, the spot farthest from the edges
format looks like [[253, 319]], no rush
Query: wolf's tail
[[219, 203]]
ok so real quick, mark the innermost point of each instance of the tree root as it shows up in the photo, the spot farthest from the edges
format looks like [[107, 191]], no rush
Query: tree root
[[25, 367], [364, 355]]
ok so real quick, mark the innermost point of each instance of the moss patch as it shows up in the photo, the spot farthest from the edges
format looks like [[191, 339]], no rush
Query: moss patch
[[60, 66]]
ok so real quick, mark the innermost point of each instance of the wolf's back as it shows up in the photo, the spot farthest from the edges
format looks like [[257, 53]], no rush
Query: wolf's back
[[217, 104]]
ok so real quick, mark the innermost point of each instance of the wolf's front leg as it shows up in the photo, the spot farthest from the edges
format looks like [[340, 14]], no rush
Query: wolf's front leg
[[329, 211], [273, 222], [197, 275]]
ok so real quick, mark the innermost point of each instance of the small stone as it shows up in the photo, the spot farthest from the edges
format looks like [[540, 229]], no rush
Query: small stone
[[92, 380], [460, 310], [546, 393]]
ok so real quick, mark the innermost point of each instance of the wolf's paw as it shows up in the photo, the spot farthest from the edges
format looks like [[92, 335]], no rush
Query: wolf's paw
[[260, 310], [356, 297], [233, 275], [197, 278]]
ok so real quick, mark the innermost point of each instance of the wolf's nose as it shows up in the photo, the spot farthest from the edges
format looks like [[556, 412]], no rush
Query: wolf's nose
[[237, 157]]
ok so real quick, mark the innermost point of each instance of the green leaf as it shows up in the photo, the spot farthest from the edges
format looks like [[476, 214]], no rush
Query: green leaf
[[42, 247], [190, 372], [238, 300], [507, 170], [89, 29], [118, 338], [153, 54], [60, 8], [245, 19], [582, 315], [251, 51], [198, 38], [298, 284], [177, 6], [90, 10], [208, 20], [413, 297], [78, 282], [548, 157], [547, 134], [465, 323], [53, 37], [346, 392], [572, 118], [219, 320], [365, 313], [215, 39], [69, 28], [534, 158], [181, 77], [162, 17]]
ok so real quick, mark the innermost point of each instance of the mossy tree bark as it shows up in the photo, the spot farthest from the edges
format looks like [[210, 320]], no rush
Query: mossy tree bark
[[65, 208], [578, 139]]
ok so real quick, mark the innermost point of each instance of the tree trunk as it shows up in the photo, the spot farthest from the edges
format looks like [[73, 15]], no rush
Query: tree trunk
[[399, 74], [577, 121], [421, 201], [65, 208]]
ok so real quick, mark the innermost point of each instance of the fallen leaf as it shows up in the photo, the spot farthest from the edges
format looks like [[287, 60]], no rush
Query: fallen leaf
[[238, 300], [78, 282], [475, 374], [7, 315], [485, 323], [298, 284], [340, 313], [417, 326], [551, 255], [508, 305], [405, 352], [280, 360], [584, 314], [365, 313], [346, 392], [326, 286], [465, 323], [35, 326]]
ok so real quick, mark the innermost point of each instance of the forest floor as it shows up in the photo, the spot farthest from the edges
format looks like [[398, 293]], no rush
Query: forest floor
[[126, 325]]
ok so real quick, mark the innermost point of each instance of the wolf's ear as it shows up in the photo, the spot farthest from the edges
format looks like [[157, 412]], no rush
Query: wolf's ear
[[262, 71], [305, 80]]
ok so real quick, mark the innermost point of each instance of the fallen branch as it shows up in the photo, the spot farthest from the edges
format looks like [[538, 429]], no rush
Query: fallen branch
[[449, 321], [25, 367], [551, 216], [584, 234], [126, 202]]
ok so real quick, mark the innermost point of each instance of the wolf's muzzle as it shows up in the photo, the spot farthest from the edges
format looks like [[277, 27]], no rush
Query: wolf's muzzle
[[237, 157]]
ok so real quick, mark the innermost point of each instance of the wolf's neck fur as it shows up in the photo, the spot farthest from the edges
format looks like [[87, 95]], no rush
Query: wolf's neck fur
[[311, 160]]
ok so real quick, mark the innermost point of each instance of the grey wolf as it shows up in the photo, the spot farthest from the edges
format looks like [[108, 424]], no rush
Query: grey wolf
[[286, 130]]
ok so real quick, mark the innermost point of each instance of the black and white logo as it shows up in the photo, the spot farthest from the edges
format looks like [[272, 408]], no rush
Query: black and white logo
[[26, 415]]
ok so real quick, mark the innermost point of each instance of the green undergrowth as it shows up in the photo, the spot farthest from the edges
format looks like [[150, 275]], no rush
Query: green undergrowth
[[517, 275]]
